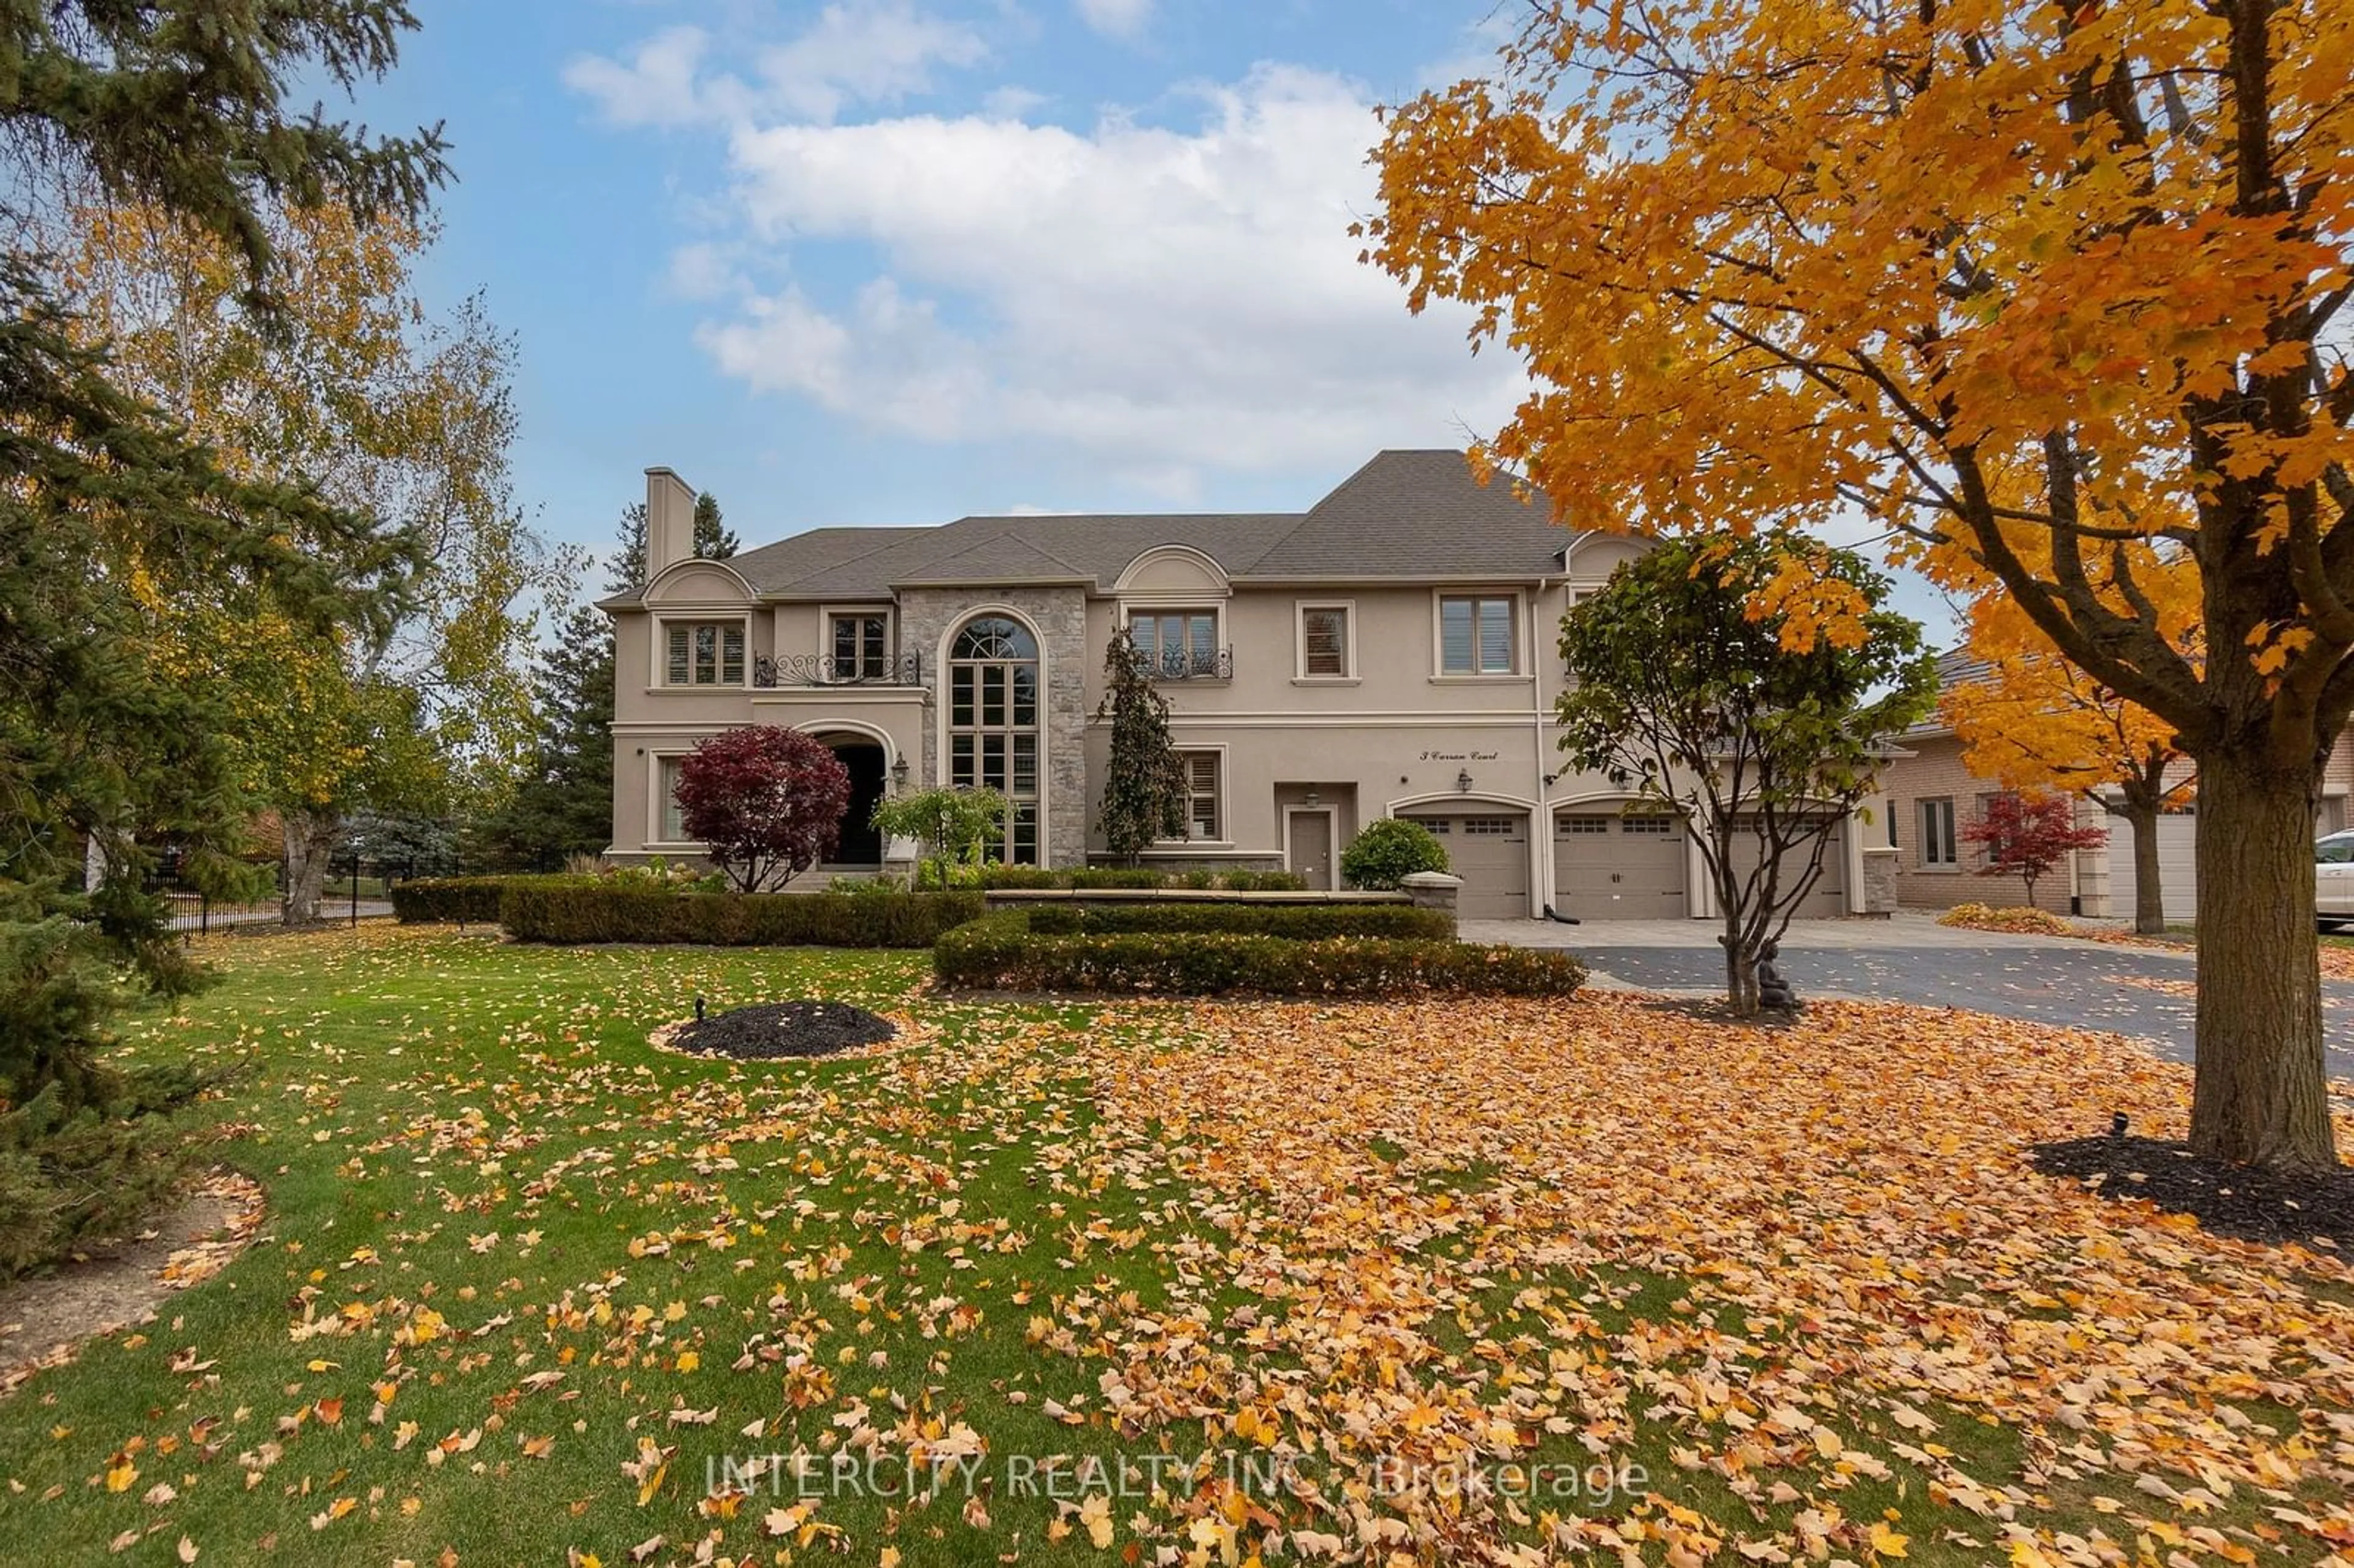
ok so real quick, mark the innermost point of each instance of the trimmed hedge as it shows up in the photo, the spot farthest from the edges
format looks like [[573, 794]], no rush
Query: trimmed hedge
[[1296, 922], [469, 900], [563, 910], [996, 874], [1004, 953]]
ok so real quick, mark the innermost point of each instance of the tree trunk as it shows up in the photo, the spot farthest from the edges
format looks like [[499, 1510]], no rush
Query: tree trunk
[[1740, 963], [2149, 898], [2261, 1091], [309, 843]]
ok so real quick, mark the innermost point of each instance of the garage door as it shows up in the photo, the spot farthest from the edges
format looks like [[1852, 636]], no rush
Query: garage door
[[1490, 851], [1827, 900], [1608, 866], [2177, 867]]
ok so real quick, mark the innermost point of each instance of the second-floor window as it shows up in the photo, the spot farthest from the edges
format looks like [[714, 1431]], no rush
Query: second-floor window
[[1176, 642], [1324, 640], [860, 643], [1475, 635], [705, 653]]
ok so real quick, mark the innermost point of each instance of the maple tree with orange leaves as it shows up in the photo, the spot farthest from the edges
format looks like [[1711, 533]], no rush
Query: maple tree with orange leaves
[[2040, 289], [2031, 720]]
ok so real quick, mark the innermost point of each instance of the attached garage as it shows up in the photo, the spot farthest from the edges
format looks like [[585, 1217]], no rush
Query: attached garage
[[1490, 851], [1611, 866], [2178, 868], [1827, 900]]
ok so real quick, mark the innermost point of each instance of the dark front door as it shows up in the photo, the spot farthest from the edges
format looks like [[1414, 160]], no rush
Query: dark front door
[[861, 844]]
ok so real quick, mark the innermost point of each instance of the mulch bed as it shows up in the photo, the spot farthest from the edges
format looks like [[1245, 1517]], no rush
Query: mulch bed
[[2229, 1199], [772, 1031]]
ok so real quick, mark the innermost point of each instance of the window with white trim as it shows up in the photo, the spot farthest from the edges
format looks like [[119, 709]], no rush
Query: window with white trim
[[704, 654], [861, 645], [1202, 818], [1175, 643], [993, 732], [1324, 641], [1475, 635], [1937, 842], [670, 827]]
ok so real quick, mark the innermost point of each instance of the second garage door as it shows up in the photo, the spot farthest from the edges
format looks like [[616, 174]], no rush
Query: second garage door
[[1490, 851], [2177, 867], [1608, 866]]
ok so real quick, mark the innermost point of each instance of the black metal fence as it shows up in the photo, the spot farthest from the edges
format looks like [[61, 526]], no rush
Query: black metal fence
[[353, 889], [191, 911]]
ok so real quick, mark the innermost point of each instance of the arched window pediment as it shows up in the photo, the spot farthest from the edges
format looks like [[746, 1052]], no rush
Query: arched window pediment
[[994, 637]]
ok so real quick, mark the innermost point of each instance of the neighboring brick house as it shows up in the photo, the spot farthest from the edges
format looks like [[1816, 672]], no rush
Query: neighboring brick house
[[1930, 794], [1389, 651]]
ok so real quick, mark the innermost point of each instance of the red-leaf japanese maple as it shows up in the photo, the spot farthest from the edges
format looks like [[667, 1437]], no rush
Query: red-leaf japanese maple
[[766, 802], [2026, 836]]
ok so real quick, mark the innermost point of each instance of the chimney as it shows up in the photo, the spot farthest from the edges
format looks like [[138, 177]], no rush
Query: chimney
[[670, 519]]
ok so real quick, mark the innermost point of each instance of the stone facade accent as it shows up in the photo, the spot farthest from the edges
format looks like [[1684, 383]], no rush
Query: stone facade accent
[[1059, 615], [1879, 895]]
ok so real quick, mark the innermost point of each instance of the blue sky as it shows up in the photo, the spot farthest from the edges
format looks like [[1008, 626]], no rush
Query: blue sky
[[898, 261]]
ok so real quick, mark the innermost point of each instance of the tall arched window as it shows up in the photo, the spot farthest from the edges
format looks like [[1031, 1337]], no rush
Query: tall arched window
[[993, 723]]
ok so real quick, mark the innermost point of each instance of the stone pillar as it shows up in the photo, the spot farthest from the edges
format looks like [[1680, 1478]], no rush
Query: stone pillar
[[1880, 863], [1432, 889]]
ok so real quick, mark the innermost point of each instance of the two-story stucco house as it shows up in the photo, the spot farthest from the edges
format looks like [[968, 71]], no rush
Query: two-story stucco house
[[1389, 651]]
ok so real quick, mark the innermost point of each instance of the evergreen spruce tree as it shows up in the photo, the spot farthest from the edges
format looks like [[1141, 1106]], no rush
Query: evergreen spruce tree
[[713, 540], [1144, 782], [105, 506], [564, 804], [628, 573]]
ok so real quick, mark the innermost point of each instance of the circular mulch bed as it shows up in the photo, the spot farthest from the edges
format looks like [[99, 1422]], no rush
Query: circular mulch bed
[[2229, 1199], [775, 1030]]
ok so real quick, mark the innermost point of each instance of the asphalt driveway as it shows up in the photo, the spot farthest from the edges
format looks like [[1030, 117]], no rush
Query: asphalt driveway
[[1911, 958]]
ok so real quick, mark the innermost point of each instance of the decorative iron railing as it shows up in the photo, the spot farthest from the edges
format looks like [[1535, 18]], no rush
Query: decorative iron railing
[[1189, 664], [823, 669]]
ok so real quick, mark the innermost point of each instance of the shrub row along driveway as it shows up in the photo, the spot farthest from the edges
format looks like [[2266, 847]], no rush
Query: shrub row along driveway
[[2145, 991]]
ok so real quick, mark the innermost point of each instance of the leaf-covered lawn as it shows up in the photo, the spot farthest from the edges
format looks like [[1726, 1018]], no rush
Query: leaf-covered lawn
[[1168, 1284]]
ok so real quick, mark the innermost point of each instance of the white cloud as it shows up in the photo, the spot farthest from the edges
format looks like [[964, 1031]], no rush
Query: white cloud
[[1168, 300], [1115, 18], [857, 51], [656, 86]]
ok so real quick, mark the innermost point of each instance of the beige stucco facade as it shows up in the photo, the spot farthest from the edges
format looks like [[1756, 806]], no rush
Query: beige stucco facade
[[1302, 757]]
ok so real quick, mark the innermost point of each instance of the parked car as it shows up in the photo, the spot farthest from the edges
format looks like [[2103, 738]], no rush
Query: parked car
[[2333, 879]]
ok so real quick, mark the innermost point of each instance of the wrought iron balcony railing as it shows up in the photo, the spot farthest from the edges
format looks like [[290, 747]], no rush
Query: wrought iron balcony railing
[[1190, 664], [823, 669]]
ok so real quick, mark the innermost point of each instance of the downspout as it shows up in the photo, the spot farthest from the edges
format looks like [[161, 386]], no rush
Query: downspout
[[1537, 732]]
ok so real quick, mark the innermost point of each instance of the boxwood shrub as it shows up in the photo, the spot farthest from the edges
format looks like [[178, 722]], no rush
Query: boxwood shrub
[[1002, 952], [565, 910], [1140, 876], [1298, 922], [469, 900]]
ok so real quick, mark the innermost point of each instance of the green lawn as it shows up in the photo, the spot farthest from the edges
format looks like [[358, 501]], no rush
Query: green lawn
[[527, 1284]]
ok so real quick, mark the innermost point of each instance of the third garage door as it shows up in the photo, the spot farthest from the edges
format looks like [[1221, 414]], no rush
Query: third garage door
[[1490, 851], [2177, 867], [1827, 900], [1612, 867]]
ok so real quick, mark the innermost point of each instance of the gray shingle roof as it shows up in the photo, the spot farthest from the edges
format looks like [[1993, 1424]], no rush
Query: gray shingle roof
[[1403, 514]]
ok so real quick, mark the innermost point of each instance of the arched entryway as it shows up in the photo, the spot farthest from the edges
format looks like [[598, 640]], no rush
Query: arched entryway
[[861, 847]]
